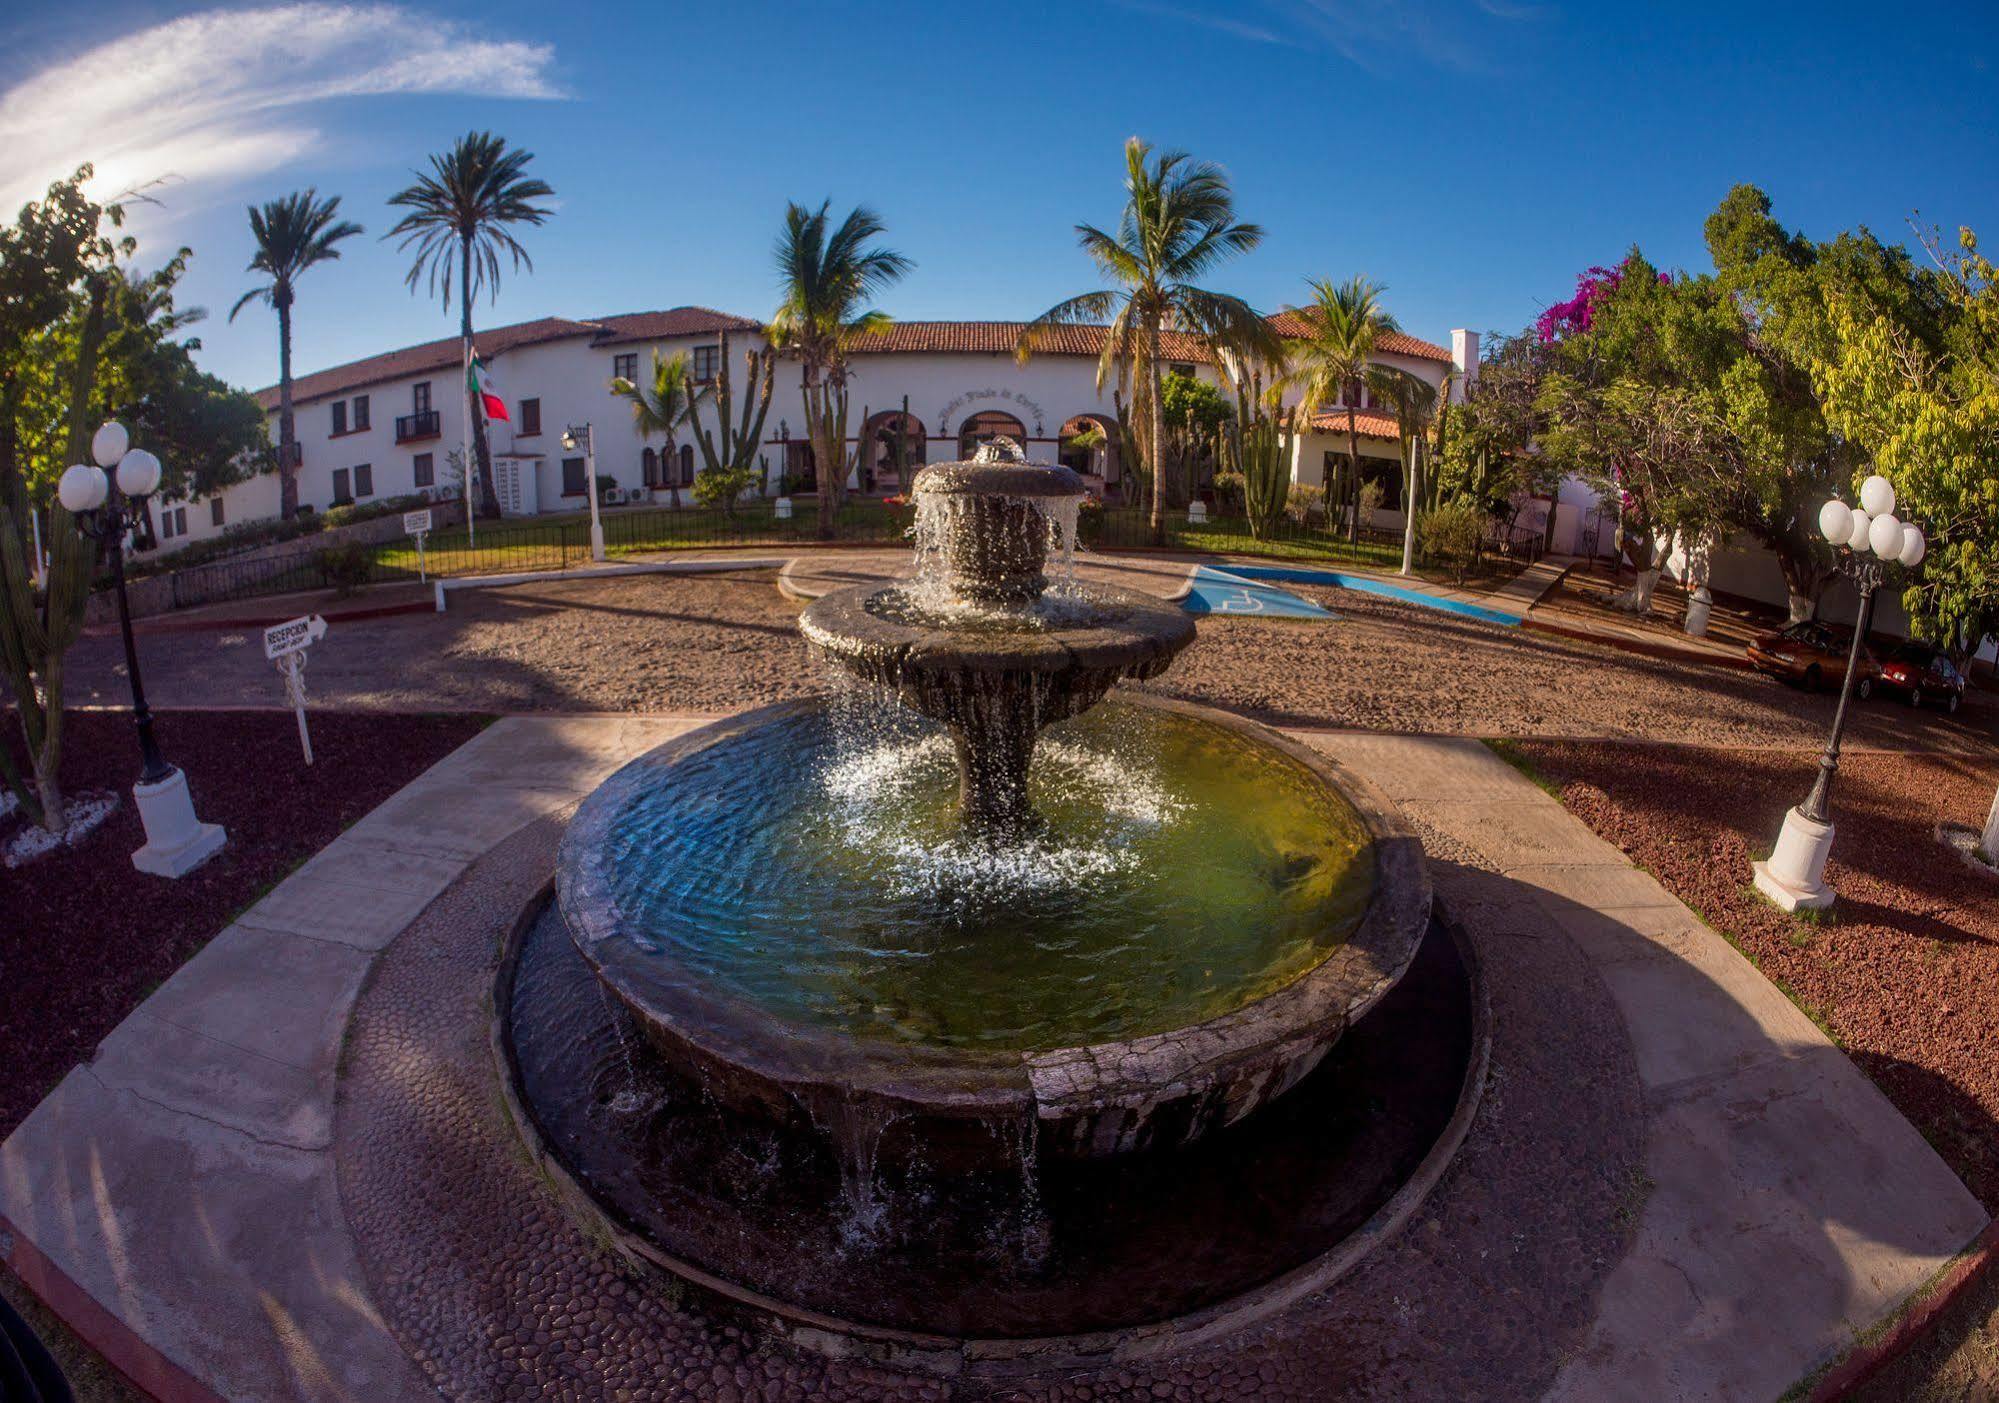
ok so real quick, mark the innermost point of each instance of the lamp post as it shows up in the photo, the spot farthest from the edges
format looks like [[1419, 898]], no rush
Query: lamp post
[[1794, 876], [571, 436], [106, 507]]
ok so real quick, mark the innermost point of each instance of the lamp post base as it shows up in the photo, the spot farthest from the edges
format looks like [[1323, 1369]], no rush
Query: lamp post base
[[1794, 877], [176, 841]]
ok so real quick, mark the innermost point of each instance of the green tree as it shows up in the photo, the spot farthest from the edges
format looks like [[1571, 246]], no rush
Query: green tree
[[1178, 224], [1413, 401], [1345, 322], [828, 282], [661, 405], [1192, 413], [1491, 459], [461, 218], [293, 233], [58, 262]]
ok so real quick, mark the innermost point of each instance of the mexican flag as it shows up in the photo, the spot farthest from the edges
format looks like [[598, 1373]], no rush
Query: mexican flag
[[487, 393]]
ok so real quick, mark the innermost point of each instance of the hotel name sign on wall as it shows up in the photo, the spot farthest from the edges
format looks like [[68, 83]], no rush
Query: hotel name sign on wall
[[971, 397]]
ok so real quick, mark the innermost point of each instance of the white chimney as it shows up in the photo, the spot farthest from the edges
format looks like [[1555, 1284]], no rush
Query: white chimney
[[1464, 361]]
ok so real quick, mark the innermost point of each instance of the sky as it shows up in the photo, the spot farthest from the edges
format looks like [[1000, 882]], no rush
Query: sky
[[1470, 155]]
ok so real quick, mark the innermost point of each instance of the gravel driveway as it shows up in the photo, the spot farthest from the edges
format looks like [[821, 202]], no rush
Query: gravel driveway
[[714, 643]]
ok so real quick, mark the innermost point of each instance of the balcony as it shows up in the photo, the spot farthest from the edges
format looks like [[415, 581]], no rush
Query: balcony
[[413, 428]]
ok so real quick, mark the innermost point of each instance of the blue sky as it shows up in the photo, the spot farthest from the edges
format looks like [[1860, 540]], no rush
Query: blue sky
[[1470, 154]]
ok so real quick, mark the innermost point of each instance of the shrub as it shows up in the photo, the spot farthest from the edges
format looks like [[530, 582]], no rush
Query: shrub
[[1371, 493], [1229, 492], [1450, 533], [344, 514], [1306, 504], [346, 567], [720, 487]]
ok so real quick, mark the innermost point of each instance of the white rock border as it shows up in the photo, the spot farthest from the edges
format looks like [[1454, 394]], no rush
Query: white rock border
[[1962, 839], [87, 812]]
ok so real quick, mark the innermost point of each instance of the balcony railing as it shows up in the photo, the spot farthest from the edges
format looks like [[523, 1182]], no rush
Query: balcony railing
[[411, 427]]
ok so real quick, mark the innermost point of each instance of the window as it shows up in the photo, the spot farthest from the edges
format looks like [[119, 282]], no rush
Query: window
[[426, 470], [687, 465], [574, 483], [180, 521], [339, 417], [649, 468], [1180, 367], [625, 366], [214, 511], [364, 480], [341, 493], [707, 362], [420, 398], [166, 524], [530, 416], [360, 413]]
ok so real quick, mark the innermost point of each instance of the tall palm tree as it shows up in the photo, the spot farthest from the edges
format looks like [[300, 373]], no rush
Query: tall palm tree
[[460, 220], [293, 233], [662, 406], [827, 281], [1345, 322], [1414, 401], [1178, 222]]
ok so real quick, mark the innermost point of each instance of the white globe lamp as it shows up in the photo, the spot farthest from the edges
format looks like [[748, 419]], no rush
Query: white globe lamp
[[1914, 546], [1884, 534], [1877, 495], [138, 473], [109, 443], [82, 488], [1836, 522], [1857, 537]]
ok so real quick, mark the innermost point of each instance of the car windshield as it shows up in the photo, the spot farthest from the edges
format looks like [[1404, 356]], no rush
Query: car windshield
[[1812, 632], [1914, 653]]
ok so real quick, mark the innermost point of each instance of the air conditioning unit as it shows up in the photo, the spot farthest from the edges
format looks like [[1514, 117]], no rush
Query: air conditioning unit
[[614, 496]]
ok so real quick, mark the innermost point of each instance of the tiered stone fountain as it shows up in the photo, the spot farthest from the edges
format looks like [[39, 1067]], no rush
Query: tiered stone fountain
[[1130, 924]]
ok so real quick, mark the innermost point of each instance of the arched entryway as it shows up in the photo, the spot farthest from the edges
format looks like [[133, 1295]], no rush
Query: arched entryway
[[986, 426], [1089, 445], [893, 449]]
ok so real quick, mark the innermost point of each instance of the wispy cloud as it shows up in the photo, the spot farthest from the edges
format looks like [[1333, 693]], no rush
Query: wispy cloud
[[1225, 24], [221, 94], [1373, 34]]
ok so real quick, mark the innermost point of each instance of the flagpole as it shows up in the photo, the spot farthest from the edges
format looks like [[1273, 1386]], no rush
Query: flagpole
[[465, 451]]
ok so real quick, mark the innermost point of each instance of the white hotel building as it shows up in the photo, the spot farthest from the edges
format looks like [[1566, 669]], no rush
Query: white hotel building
[[384, 426]]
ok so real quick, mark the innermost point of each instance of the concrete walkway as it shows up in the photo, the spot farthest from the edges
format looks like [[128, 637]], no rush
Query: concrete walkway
[[1790, 1205], [177, 1195]]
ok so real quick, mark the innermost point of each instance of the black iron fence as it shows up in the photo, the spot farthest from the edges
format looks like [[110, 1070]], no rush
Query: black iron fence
[[520, 546]]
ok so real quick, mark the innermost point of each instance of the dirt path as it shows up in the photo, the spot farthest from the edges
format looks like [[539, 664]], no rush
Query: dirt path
[[714, 643]]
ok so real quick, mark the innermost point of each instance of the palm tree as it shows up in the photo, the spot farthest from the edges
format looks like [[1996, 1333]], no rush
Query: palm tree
[[1414, 400], [1178, 222], [460, 221], [293, 233], [662, 407], [1345, 322], [827, 281]]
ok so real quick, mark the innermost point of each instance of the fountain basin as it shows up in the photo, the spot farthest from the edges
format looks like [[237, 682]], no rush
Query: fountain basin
[[779, 1003]]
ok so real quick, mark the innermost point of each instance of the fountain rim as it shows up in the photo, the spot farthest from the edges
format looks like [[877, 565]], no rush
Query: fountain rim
[[782, 1059]]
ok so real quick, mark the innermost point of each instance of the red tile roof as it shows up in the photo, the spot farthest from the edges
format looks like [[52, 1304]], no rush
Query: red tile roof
[[999, 338], [1368, 423], [676, 321], [1292, 322], [444, 354]]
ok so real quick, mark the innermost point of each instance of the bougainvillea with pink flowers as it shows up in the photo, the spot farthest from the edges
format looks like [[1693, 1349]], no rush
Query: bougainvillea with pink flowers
[[1578, 314]]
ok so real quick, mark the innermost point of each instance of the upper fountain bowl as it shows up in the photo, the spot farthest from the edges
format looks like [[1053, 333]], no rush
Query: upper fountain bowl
[[991, 520]]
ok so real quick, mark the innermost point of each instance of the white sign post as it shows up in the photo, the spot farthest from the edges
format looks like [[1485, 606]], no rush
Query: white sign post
[[417, 524], [285, 645]]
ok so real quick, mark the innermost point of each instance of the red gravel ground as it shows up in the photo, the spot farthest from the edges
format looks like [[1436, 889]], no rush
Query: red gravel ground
[[1904, 974], [84, 937]]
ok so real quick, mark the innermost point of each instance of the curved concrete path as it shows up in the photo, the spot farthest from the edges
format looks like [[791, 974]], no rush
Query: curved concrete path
[[176, 1200]]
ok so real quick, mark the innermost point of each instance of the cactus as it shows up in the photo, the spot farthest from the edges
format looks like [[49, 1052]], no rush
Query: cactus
[[741, 438]]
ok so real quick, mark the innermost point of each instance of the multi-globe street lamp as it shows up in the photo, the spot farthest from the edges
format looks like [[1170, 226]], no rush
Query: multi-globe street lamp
[[107, 506], [1866, 540]]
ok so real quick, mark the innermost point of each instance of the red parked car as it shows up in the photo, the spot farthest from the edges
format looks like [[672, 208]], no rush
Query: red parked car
[[1813, 655], [1921, 673]]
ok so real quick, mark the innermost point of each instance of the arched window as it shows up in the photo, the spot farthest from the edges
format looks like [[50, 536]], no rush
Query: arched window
[[649, 465], [686, 465], [986, 426], [893, 449], [1089, 445]]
